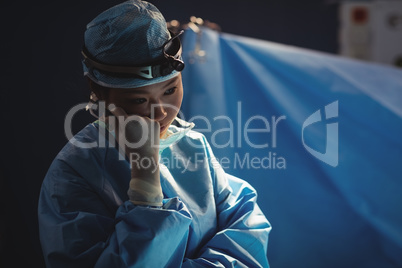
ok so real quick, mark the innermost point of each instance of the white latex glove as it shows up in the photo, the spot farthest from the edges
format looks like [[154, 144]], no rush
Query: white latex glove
[[138, 137]]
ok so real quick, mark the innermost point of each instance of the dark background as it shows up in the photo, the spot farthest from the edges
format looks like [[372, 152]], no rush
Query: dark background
[[41, 79]]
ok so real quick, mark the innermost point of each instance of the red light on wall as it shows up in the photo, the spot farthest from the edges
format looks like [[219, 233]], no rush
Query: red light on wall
[[359, 15]]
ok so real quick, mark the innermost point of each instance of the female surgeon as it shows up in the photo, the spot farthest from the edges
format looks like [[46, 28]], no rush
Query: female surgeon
[[138, 187]]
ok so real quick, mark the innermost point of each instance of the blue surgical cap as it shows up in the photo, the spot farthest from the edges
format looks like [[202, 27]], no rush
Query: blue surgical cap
[[131, 33]]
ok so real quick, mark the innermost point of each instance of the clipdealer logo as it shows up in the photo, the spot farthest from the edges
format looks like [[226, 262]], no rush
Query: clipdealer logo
[[237, 134], [330, 156]]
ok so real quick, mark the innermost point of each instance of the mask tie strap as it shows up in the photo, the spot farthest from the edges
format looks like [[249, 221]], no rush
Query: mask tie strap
[[92, 105]]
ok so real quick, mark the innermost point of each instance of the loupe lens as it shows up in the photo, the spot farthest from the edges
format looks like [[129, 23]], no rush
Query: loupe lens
[[178, 65]]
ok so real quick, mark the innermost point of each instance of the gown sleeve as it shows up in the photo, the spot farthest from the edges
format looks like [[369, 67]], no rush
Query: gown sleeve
[[79, 229], [242, 237]]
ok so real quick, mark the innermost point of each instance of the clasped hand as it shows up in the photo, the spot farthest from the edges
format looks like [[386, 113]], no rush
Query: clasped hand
[[138, 137]]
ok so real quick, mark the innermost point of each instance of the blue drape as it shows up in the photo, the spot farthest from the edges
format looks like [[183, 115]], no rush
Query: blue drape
[[318, 136]]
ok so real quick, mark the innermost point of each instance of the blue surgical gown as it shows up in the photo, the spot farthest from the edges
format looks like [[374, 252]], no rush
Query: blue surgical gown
[[208, 219]]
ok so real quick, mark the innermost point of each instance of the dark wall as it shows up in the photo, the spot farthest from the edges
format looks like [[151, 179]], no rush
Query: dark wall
[[310, 24], [41, 79]]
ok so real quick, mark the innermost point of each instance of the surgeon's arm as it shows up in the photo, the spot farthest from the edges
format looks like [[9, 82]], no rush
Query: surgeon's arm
[[242, 237], [148, 237], [79, 228]]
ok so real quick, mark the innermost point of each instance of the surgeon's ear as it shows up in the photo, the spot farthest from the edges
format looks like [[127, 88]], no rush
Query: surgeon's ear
[[100, 91]]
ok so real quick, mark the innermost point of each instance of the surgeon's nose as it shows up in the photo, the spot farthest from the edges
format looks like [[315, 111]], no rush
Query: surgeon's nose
[[158, 112]]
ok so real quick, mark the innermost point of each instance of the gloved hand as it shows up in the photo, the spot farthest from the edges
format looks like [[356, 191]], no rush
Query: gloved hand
[[138, 137]]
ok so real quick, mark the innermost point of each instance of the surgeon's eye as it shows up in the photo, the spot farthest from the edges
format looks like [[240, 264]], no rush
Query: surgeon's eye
[[139, 101], [170, 91]]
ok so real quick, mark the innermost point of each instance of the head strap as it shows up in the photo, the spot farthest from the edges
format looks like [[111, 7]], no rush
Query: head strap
[[163, 67]]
